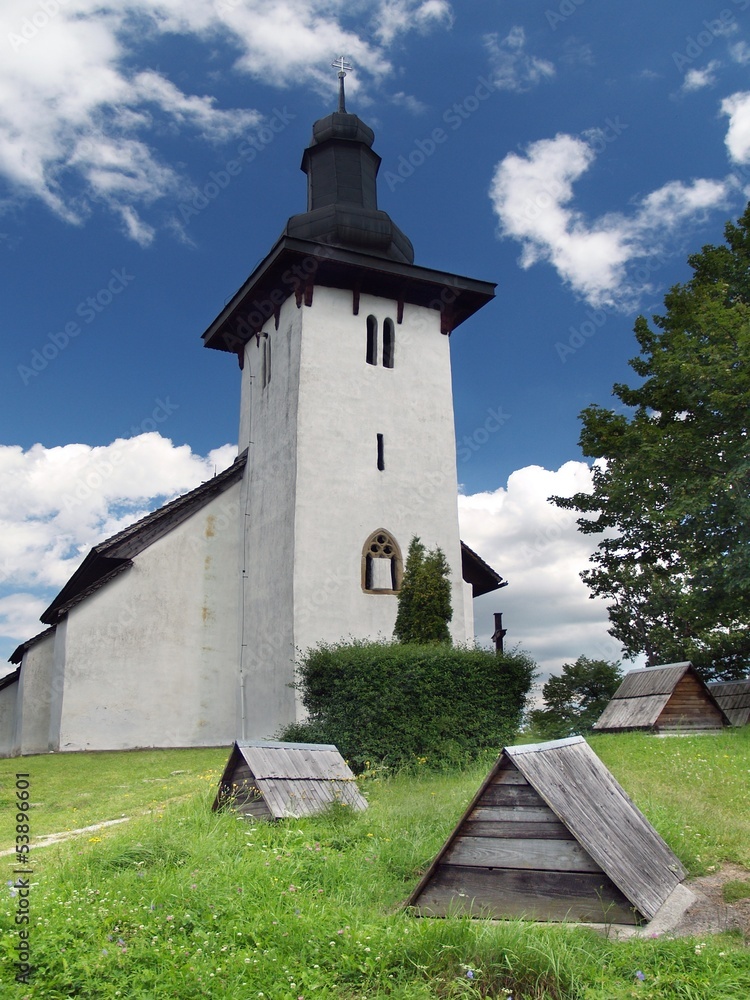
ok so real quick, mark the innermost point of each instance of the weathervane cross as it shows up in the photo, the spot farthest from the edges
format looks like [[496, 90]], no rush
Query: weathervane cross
[[342, 66]]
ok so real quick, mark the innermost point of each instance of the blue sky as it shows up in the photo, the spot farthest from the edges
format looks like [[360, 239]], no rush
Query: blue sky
[[574, 152]]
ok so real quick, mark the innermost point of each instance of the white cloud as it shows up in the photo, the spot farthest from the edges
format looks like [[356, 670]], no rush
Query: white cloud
[[740, 53], [78, 115], [532, 195], [393, 17], [737, 108], [697, 79], [539, 550], [513, 68], [55, 503], [412, 104]]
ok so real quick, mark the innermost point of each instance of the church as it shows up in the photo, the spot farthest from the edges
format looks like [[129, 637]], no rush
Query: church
[[182, 629]]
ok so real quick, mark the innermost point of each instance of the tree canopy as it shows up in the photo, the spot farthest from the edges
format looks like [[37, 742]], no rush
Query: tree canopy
[[575, 699], [671, 479], [424, 601]]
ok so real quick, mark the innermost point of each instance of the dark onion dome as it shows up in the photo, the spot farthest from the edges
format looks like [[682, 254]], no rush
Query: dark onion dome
[[342, 200]]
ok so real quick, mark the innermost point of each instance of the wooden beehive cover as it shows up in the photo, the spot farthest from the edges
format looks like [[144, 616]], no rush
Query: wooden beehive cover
[[668, 697], [551, 835], [733, 698], [276, 780]]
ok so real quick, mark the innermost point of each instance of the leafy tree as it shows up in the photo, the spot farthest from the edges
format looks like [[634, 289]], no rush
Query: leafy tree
[[671, 484], [575, 699], [402, 703], [424, 601]]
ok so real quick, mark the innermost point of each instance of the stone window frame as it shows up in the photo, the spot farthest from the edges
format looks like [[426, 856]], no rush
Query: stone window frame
[[382, 539]]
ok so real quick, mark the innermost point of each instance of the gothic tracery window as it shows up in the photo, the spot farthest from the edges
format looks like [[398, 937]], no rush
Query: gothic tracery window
[[382, 565]]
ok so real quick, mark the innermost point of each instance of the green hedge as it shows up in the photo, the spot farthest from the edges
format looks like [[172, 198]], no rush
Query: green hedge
[[398, 704]]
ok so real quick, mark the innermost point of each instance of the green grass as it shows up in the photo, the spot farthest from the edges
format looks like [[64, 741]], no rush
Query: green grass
[[181, 902], [70, 791], [733, 892]]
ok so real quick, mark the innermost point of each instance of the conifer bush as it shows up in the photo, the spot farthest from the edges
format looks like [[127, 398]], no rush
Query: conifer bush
[[401, 704]]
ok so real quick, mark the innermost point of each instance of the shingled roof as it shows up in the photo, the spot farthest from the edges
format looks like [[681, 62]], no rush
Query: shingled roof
[[671, 696], [734, 699], [551, 835], [115, 554], [476, 572], [270, 780]]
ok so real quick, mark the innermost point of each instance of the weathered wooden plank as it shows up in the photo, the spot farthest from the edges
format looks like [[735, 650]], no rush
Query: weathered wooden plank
[[510, 776], [596, 809], [533, 895], [511, 795], [651, 681], [513, 814], [538, 855], [537, 831], [632, 713]]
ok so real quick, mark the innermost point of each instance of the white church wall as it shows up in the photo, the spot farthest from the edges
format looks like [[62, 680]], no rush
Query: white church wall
[[150, 658], [35, 693], [8, 700], [269, 422], [342, 496]]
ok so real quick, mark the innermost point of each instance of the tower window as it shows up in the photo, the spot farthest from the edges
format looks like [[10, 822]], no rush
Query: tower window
[[389, 337], [382, 566], [372, 340], [266, 361], [381, 454]]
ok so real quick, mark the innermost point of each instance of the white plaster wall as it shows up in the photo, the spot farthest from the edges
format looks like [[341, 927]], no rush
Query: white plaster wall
[[269, 421], [35, 695], [151, 658], [341, 495], [8, 701]]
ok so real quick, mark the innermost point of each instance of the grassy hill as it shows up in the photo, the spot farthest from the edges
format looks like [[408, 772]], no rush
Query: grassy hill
[[181, 902]]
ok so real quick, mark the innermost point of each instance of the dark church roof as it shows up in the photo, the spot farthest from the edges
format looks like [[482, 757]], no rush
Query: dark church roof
[[342, 197], [345, 241], [17, 655], [114, 555], [474, 570]]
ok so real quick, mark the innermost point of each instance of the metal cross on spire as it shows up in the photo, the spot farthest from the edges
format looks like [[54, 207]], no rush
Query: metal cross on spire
[[342, 66]]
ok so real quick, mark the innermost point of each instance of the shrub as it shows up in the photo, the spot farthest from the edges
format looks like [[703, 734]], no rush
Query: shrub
[[424, 601], [398, 704]]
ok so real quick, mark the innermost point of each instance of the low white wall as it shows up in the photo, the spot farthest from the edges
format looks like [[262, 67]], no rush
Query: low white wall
[[8, 698], [151, 658], [35, 691]]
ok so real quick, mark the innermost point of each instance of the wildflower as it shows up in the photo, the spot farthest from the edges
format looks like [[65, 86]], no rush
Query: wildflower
[[469, 974], [640, 975]]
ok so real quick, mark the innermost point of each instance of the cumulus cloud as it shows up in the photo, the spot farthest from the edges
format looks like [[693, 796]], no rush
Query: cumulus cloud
[[538, 549], [513, 68], [56, 503], [78, 116], [737, 108], [532, 195], [697, 79]]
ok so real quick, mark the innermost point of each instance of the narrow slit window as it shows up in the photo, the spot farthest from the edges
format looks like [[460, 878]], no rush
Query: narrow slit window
[[372, 340], [389, 337], [381, 453], [268, 361]]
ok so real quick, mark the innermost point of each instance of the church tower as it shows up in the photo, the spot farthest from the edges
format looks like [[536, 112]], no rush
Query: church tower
[[347, 421]]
